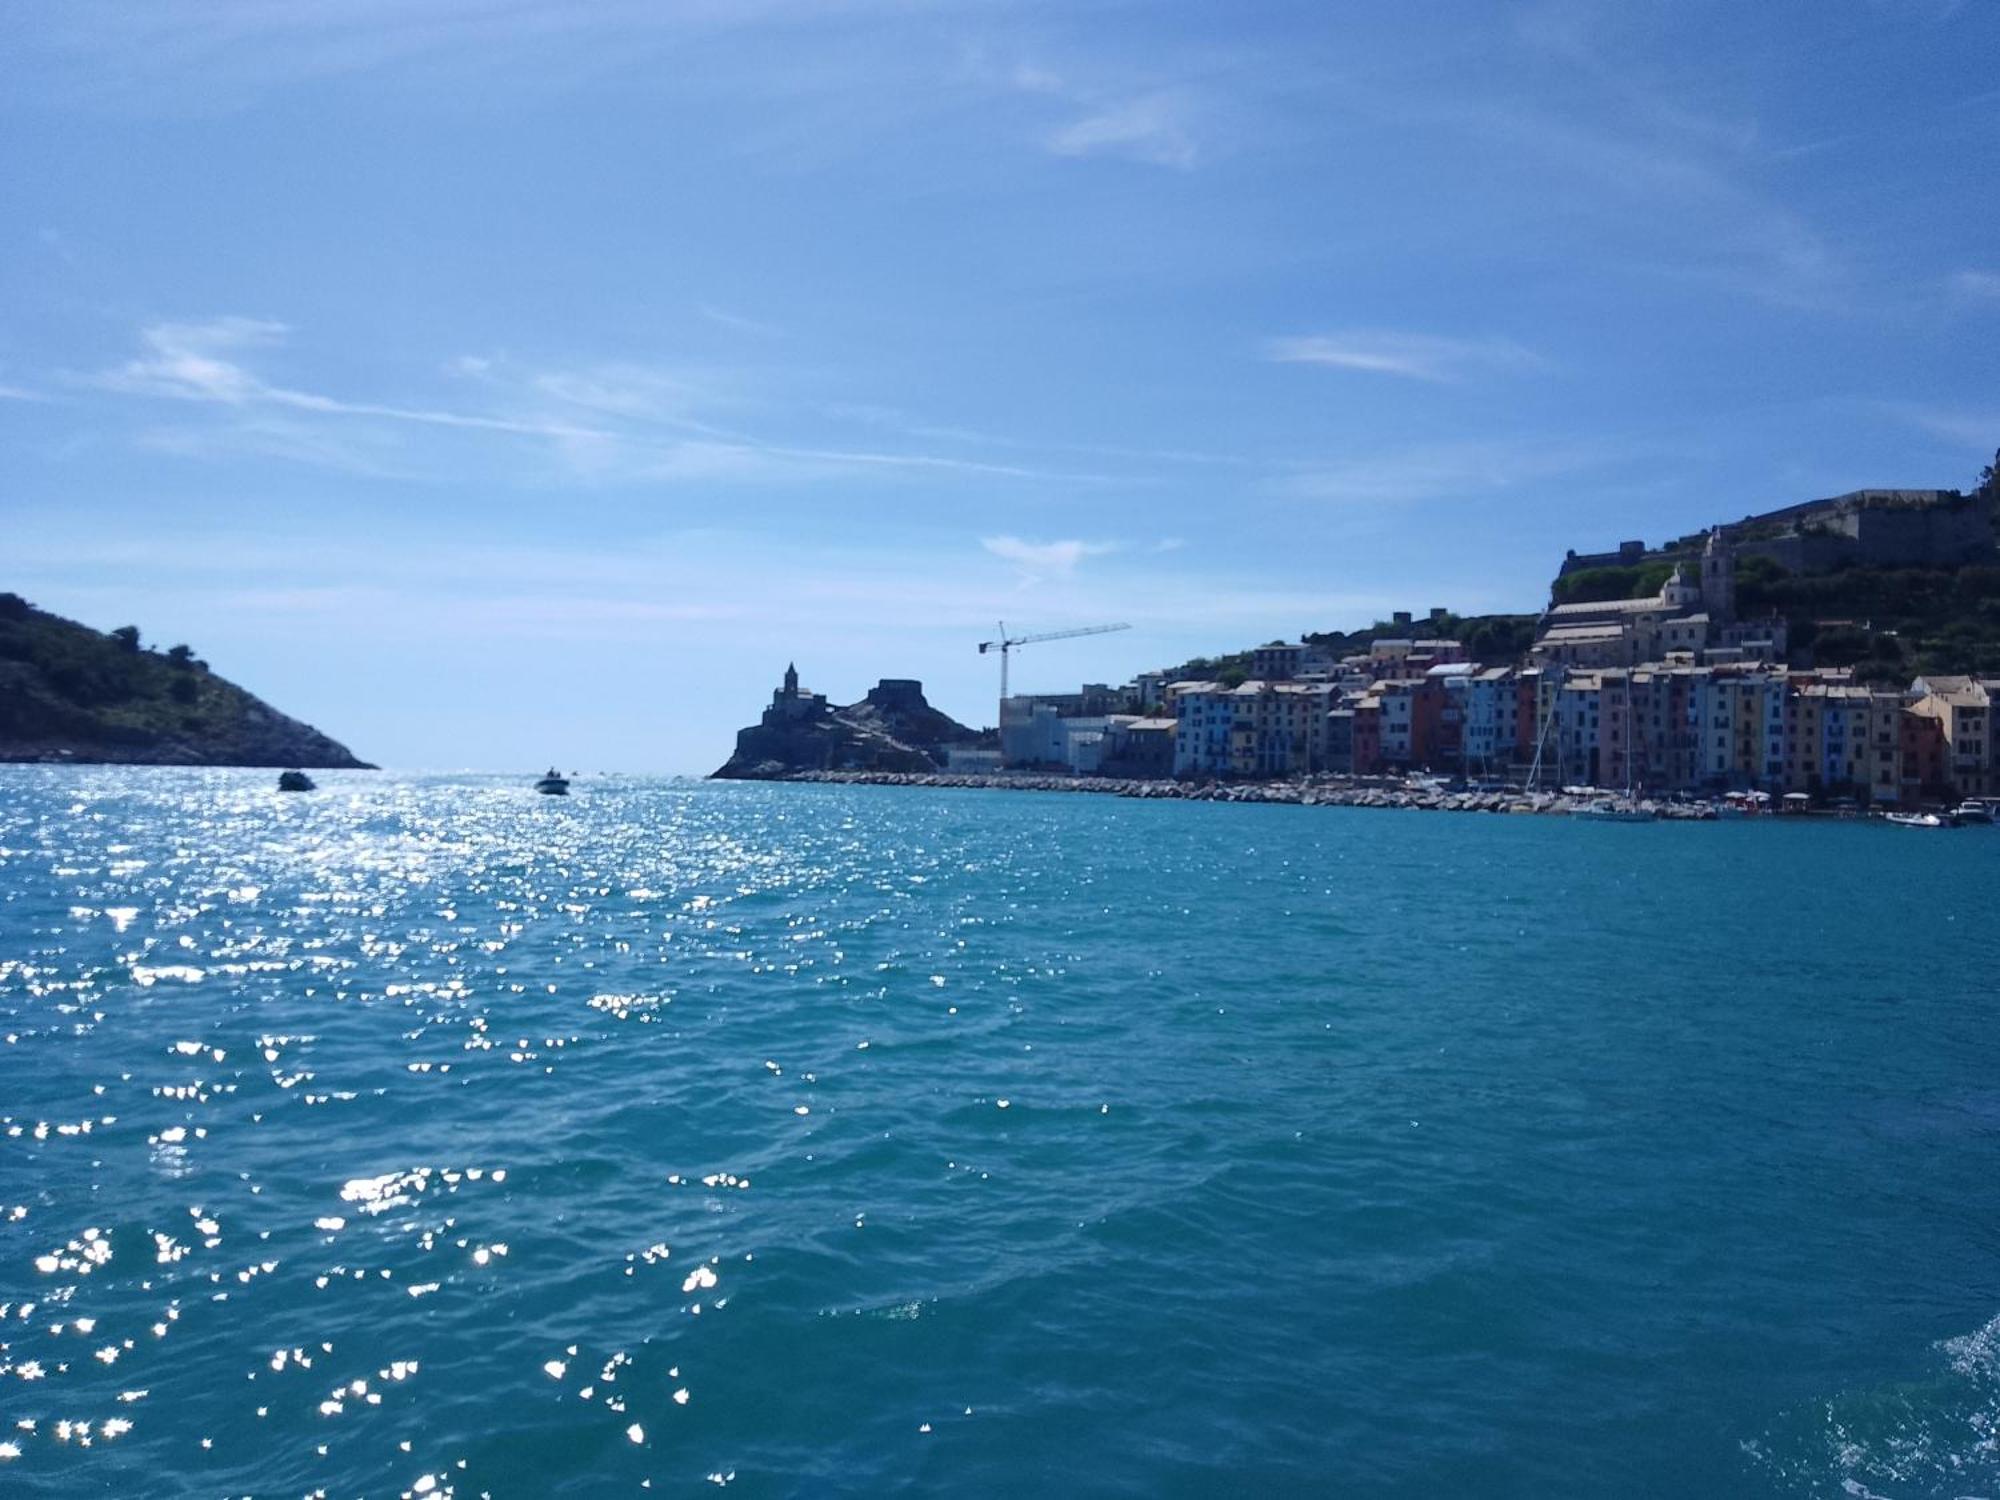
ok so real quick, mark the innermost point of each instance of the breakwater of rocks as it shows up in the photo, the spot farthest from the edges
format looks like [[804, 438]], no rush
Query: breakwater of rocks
[[1309, 791]]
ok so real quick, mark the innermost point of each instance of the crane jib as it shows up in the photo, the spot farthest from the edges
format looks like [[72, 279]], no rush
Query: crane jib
[[1006, 644]]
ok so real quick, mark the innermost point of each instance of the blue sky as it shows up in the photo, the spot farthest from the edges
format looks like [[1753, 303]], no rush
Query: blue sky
[[489, 382]]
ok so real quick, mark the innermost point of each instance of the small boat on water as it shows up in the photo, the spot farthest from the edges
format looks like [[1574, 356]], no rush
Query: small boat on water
[[1615, 810], [294, 781], [1974, 810], [553, 784], [1918, 820]]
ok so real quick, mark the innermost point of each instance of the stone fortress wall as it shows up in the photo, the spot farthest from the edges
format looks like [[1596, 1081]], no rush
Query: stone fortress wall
[[1872, 528]]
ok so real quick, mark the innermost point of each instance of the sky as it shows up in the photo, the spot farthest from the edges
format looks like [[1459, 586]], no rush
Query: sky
[[492, 383]]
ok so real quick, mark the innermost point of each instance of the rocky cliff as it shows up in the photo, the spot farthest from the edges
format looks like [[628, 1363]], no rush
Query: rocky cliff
[[892, 729], [70, 693]]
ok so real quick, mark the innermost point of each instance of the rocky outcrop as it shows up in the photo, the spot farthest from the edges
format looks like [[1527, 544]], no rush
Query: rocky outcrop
[[892, 730], [72, 694]]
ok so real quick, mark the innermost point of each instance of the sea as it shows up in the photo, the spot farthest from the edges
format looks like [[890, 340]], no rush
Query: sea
[[424, 1136]]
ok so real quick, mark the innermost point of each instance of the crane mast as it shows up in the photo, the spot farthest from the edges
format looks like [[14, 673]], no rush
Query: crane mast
[[1006, 643]]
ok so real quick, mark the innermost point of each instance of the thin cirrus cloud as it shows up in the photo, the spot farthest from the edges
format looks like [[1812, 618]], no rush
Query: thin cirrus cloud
[[1151, 127], [1967, 427], [1148, 129], [1439, 471], [615, 437], [203, 362], [1406, 356]]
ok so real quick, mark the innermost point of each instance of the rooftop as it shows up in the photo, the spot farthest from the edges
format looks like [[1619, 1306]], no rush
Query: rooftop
[[1605, 607]]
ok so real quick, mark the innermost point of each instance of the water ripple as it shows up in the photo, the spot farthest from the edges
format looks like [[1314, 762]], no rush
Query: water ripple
[[424, 1136]]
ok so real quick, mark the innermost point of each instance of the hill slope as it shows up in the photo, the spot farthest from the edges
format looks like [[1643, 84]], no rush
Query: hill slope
[[70, 693]]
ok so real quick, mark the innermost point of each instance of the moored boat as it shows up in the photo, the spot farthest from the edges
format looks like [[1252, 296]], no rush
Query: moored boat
[[1974, 810], [1625, 809], [1917, 820], [1615, 810]]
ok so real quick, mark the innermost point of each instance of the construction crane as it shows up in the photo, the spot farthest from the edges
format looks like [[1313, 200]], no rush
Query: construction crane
[[1006, 644]]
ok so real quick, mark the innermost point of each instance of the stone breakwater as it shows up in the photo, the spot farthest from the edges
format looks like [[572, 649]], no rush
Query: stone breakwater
[[1314, 791]]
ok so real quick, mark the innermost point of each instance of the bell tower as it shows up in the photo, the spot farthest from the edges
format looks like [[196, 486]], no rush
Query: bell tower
[[1718, 578], [791, 680]]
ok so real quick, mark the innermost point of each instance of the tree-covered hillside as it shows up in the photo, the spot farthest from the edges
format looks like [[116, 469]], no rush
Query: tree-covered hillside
[[1889, 624], [71, 693]]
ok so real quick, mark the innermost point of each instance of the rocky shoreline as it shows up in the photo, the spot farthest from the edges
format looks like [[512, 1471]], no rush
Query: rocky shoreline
[[1311, 791]]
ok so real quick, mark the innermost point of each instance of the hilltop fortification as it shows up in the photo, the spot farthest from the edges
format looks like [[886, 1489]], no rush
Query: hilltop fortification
[[1863, 528]]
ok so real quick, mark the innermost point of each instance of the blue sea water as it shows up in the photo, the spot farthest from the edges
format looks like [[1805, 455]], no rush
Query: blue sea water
[[424, 1136]]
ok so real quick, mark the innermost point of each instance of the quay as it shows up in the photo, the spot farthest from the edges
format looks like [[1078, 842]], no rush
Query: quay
[[1307, 791]]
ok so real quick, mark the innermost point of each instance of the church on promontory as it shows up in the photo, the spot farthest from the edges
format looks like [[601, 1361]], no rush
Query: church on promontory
[[1694, 620]]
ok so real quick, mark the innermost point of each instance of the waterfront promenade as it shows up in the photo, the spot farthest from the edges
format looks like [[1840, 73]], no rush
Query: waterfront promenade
[[1306, 791]]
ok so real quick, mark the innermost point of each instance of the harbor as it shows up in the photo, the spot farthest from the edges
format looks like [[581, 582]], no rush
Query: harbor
[[1402, 794]]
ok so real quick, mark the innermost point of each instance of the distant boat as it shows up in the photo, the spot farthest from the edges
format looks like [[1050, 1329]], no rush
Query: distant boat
[[554, 784], [294, 781], [1918, 820], [1612, 810]]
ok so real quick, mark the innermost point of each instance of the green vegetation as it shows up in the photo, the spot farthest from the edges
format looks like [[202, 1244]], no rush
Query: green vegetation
[[1232, 670], [1497, 640], [1889, 624], [1493, 639], [70, 692], [1599, 585]]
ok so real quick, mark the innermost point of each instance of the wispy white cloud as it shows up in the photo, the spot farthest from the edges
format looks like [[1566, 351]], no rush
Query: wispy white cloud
[[1045, 559], [1922, 12], [688, 577], [1973, 428], [1702, 207], [241, 49], [186, 360], [604, 422], [1688, 178], [1440, 471], [1152, 128], [20, 393], [737, 323], [1976, 286], [202, 362], [1412, 356], [628, 391], [347, 449], [1133, 118]]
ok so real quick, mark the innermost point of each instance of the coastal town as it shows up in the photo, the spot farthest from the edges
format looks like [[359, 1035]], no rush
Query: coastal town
[[1673, 695]]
